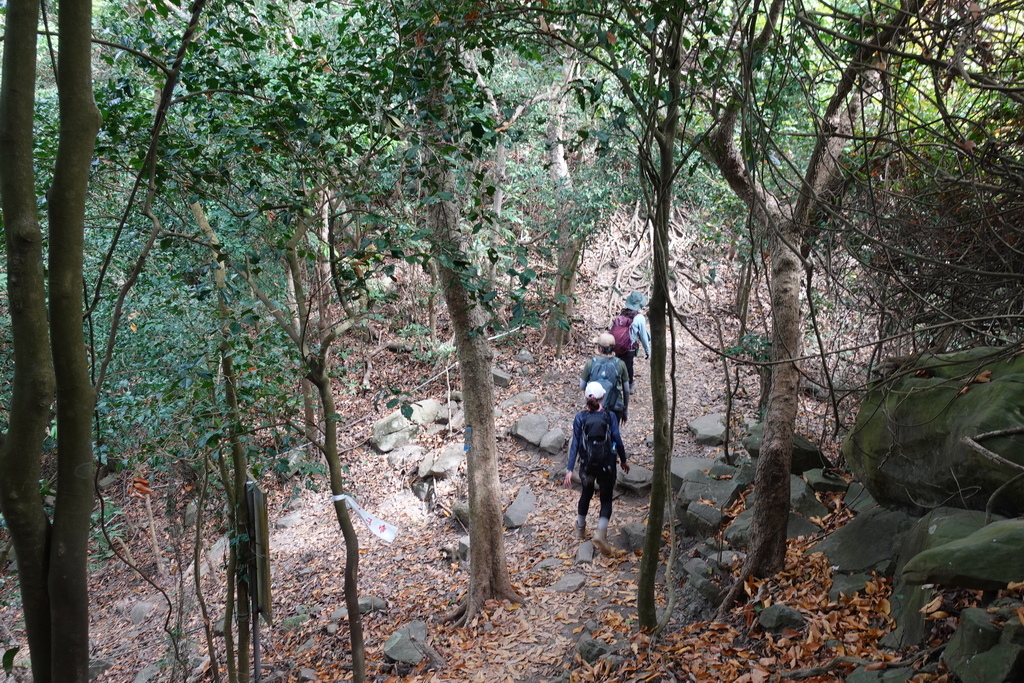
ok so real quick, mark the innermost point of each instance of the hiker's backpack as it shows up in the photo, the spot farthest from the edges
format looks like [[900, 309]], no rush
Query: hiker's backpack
[[605, 371], [596, 454], [620, 329]]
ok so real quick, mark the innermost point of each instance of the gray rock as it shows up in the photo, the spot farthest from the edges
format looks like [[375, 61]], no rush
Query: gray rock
[[521, 399], [825, 481], [777, 618], [724, 558], [395, 422], [858, 499], [549, 563], [464, 548], [737, 534], [638, 480], [424, 412], [806, 455], [867, 543], [585, 553], [149, 673], [519, 511], [370, 603], [531, 428], [570, 583], [938, 527], [847, 584], [681, 467], [191, 514], [745, 475], [401, 458], [524, 357], [447, 463], [501, 378], [307, 675], [978, 652], [862, 675], [803, 500], [402, 645], [699, 485], [386, 443], [906, 444], [634, 535], [703, 520], [591, 649], [422, 489], [722, 471], [708, 430], [460, 510], [447, 412], [988, 559], [553, 441], [288, 521], [141, 611]]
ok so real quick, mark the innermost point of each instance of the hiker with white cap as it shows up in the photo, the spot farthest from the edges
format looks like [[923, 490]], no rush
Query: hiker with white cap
[[612, 374], [597, 442], [629, 328]]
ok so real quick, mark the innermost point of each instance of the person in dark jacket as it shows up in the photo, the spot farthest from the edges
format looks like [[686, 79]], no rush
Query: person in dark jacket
[[612, 374], [604, 479]]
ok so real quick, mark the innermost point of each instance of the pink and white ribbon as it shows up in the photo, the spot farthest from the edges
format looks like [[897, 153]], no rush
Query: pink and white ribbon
[[375, 524]]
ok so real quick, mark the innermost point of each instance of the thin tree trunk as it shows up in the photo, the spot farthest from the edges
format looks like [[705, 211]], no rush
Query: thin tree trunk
[[569, 245], [662, 178], [33, 384]]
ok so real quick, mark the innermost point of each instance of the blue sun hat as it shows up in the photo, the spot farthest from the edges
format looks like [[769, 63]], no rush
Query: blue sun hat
[[635, 301]]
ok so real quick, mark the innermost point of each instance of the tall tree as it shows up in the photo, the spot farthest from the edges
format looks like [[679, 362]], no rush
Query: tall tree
[[437, 50], [786, 222], [49, 345]]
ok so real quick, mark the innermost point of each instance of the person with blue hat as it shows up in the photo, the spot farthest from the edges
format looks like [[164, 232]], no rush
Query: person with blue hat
[[629, 328]]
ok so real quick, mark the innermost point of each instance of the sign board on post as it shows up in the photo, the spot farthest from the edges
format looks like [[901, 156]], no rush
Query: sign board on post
[[259, 545]]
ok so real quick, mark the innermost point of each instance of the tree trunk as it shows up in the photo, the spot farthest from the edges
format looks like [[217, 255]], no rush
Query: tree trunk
[[318, 375], [488, 568], [235, 479], [661, 178], [569, 245], [52, 559]]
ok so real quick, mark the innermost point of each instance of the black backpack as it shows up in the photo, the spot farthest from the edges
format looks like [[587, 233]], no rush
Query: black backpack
[[605, 371], [595, 453]]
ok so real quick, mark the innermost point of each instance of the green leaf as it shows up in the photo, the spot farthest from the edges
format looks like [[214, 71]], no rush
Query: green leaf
[[9, 660]]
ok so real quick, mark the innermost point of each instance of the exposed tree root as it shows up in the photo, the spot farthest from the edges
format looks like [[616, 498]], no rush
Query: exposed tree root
[[464, 612]]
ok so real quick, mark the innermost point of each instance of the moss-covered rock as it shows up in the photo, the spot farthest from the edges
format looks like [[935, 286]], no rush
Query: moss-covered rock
[[907, 444]]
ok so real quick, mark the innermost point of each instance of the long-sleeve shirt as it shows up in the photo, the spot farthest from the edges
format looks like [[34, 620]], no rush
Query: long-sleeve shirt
[[638, 332], [577, 437]]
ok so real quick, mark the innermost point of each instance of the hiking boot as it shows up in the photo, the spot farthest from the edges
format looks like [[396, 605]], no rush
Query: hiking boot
[[600, 540], [581, 532]]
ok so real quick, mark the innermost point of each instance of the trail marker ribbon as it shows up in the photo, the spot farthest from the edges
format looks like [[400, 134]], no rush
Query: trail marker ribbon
[[375, 524]]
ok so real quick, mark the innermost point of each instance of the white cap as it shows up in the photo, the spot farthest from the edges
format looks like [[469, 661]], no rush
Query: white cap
[[594, 390]]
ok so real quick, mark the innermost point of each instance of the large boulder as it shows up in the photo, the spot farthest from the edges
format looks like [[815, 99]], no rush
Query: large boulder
[[988, 559], [940, 526], [907, 448]]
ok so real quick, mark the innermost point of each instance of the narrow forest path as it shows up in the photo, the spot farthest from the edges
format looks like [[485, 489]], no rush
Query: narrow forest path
[[418, 579]]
